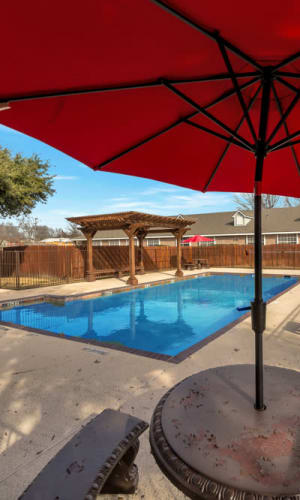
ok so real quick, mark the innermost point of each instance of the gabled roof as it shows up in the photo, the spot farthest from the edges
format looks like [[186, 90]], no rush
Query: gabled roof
[[274, 220]]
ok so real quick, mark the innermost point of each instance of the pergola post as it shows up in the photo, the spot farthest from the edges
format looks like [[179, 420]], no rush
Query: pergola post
[[178, 233], [131, 234], [141, 237], [90, 274]]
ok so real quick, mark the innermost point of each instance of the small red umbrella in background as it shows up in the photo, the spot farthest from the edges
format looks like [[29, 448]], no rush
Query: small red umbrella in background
[[197, 239]]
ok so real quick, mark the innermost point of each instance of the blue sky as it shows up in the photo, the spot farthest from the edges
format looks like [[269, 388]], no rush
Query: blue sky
[[81, 191]]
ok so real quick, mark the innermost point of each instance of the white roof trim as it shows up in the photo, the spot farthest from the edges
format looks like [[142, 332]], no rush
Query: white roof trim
[[242, 213]]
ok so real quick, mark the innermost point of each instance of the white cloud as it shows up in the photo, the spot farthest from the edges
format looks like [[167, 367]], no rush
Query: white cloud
[[66, 213], [194, 202], [157, 190], [180, 197], [189, 202], [65, 177]]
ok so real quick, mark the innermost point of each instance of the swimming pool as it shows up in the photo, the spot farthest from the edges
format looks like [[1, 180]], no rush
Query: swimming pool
[[164, 319]]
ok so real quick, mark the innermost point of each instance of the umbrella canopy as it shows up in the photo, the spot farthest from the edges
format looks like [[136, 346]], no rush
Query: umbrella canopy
[[197, 239], [199, 94], [150, 78]]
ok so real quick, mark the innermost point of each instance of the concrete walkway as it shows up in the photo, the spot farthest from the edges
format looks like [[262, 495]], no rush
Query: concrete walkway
[[49, 387], [110, 283]]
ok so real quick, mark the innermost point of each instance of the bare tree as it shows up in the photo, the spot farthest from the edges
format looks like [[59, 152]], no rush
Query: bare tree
[[59, 232], [72, 230], [291, 202], [9, 232], [43, 232], [245, 201], [28, 226]]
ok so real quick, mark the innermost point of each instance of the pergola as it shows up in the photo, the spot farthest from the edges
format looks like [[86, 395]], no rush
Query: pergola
[[134, 224]]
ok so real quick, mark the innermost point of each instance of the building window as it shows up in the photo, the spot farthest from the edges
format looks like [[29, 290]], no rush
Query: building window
[[136, 242], [287, 238], [207, 243], [97, 243], [114, 243], [183, 244], [153, 242], [250, 239]]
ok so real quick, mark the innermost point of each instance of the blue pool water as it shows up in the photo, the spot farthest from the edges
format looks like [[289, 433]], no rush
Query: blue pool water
[[165, 319]]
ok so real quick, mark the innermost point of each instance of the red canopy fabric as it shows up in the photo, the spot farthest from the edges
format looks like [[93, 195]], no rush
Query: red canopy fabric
[[92, 50], [197, 239]]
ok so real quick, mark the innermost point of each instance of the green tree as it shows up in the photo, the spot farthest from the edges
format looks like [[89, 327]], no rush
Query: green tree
[[24, 182]]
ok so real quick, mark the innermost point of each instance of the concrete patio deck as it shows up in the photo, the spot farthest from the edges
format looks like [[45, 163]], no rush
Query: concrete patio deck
[[49, 387]]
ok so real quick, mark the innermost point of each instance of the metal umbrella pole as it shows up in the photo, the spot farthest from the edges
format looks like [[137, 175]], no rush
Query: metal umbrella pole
[[258, 306]]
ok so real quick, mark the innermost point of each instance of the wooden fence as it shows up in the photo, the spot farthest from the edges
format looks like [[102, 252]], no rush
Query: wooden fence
[[46, 265], [282, 256]]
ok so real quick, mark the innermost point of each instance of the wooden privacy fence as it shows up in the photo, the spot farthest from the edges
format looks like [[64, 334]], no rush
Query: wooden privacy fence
[[30, 266], [284, 256]]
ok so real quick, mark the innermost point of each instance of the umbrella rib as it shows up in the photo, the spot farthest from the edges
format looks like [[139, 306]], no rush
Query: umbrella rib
[[229, 93], [288, 144], [288, 85], [289, 74], [237, 89], [216, 77], [285, 124], [283, 118], [178, 122], [212, 175], [210, 34], [284, 142], [133, 86], [208, 115], [217, 134], [64, 93], [288, 60], [144, 141]]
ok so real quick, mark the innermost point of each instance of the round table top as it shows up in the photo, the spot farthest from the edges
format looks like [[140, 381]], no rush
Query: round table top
[[207, 436]]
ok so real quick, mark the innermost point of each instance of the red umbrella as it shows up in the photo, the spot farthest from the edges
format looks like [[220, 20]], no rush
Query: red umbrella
[[197, 239], [199, 94]]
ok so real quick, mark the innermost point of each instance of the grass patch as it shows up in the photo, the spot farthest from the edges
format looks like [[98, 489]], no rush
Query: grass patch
[[13, 283]]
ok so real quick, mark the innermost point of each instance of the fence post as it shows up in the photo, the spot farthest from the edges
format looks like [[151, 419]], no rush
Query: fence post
[[18, 270], [1, 265], [68, 263]]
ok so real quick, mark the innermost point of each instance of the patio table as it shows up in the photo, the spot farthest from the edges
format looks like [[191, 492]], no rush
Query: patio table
[[212, 444]]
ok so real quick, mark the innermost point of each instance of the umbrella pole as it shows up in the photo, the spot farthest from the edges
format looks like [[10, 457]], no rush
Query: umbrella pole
[[258, 306]]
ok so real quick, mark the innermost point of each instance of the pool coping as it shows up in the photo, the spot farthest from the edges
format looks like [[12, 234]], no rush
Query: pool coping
[[178, 358]]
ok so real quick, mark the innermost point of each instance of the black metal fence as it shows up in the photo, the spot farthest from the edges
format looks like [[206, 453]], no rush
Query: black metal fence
[[37, 266]]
